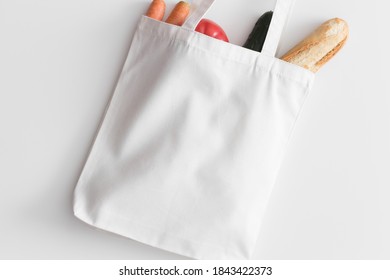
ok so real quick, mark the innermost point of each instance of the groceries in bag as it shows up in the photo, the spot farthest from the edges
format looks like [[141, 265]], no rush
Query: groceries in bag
[[311, 53]]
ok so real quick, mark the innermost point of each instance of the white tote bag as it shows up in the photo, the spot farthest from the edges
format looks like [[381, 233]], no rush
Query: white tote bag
[[191, 143]]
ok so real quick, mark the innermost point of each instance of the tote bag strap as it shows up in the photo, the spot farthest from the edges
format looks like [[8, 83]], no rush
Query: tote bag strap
[[281, 13], [198, 9], [280, 16]]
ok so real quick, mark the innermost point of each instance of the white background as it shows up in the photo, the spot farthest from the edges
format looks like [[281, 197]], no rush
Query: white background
[[59, 61]]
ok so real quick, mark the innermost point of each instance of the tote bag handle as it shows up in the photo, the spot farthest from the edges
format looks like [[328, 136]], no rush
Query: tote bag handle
[[281, 13]]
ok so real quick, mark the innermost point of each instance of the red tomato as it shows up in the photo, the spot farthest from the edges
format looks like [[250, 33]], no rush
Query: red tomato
[[210, 28]]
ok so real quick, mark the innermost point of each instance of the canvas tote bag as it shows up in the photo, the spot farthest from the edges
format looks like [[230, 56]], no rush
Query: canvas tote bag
[[192, 140]]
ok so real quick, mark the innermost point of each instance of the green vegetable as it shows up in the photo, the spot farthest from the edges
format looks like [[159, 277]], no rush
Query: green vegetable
[[257, 37]]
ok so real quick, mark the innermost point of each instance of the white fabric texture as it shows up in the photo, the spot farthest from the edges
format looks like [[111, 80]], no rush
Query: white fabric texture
[[192, 140]]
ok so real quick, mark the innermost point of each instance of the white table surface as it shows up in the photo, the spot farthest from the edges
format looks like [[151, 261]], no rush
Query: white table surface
[[59, 61]]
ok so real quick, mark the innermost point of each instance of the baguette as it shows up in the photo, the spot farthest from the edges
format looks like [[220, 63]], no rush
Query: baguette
[[320, 46]]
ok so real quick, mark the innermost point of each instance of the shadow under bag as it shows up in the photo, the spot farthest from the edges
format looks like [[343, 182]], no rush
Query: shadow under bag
[[189, 149]]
